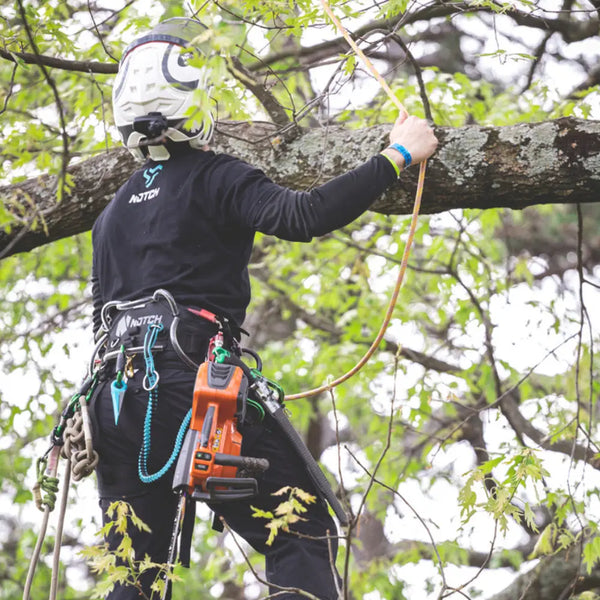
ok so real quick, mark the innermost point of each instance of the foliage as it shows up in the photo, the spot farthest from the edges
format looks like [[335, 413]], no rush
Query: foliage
[[286, 513], [468, 442], [120, 565]]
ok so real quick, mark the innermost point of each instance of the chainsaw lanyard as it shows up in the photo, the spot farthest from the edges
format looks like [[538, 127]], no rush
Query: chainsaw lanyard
[[150, 384]]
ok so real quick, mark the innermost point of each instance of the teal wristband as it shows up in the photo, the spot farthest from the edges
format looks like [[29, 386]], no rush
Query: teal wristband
[[404, 152]]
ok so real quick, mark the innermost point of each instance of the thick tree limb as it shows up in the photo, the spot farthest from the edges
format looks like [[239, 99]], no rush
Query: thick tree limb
[[474, 167]]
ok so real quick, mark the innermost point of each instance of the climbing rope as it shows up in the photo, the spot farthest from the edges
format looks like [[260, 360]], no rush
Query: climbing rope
[[47, 481], [411, 233], [78, 447], [72, 440], [150, 384], [59, 532]]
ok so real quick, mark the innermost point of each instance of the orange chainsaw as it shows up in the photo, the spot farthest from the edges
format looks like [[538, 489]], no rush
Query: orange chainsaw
[[210, 467]]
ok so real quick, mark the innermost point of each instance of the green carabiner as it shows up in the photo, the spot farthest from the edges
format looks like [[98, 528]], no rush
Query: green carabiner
[[272, 384], [221, 354]]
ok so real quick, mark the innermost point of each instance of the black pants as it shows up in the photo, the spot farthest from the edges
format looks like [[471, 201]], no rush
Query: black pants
[[291, 561]]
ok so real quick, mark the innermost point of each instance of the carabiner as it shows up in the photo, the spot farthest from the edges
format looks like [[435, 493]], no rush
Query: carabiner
[[146, 381]]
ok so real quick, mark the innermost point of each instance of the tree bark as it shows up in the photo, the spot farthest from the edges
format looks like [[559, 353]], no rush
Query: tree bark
[[553, 578], [474, 167]]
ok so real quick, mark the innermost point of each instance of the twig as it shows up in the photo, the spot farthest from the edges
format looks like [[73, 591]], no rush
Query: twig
[[59, 105], [356, 519], [10, 88], [541, 49], [337, 439], [418, 74], [98, 34], [282, 590], [583, 317], [412, 509]]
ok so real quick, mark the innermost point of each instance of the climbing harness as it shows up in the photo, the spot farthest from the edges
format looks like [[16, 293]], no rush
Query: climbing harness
[[411, 233], [207, 446], [134, 328]]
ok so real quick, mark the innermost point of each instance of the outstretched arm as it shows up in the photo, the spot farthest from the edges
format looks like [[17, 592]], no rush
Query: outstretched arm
[[302, 215]]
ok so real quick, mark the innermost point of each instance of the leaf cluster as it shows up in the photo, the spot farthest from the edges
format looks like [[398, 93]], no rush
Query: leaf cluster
[[286, 513]]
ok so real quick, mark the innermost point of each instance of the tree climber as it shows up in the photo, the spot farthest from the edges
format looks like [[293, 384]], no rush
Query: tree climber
[[185, 223]]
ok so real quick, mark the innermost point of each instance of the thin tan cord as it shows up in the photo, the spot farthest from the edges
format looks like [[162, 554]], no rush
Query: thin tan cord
[[411, 234]]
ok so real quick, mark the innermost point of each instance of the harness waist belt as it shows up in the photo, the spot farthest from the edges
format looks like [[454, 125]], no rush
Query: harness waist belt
[[185, 331]]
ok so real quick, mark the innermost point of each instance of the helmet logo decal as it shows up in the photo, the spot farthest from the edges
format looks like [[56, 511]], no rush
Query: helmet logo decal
[[175, 67], [151, 174]]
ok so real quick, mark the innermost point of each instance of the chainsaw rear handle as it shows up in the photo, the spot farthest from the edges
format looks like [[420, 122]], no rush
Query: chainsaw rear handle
[[225, 489], [249, 463]]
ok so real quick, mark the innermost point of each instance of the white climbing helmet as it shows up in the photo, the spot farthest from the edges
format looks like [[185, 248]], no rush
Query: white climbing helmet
[[154, 90]]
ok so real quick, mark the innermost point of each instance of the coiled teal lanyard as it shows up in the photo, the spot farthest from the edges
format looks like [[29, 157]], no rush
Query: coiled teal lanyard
[[150, 384]]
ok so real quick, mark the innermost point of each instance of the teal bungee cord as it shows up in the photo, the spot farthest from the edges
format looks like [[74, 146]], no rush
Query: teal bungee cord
[[150, 384]]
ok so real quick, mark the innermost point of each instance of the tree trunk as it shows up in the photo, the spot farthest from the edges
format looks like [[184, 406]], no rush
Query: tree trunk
[[474, 167]]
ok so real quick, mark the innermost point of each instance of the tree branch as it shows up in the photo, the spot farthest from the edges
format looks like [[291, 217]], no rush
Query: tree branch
[[522, 426], [474, 167], [273, 107], [571, 30], [83, 66]]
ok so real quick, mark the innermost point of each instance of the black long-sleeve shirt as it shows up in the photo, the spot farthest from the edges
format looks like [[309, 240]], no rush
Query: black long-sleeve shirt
[[187, 225]]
